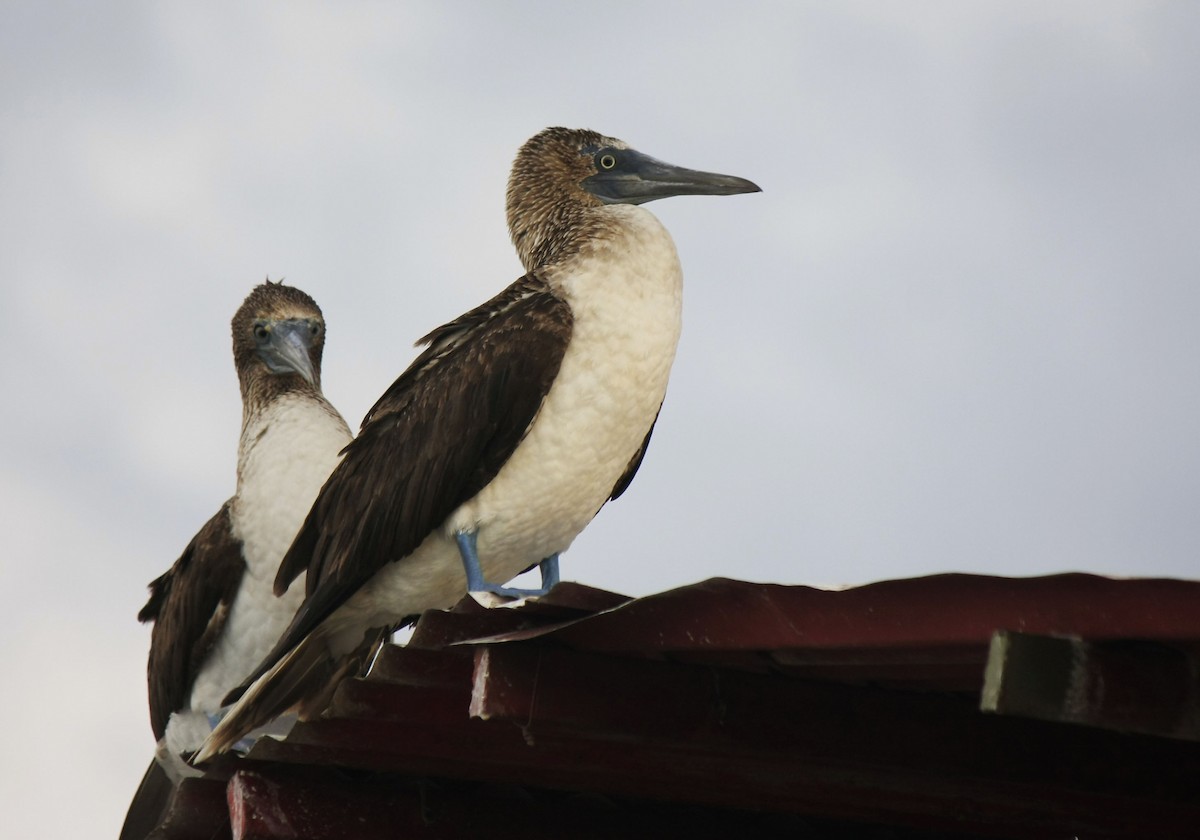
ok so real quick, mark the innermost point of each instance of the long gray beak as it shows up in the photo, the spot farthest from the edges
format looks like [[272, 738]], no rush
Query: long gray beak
[[286, 350], [637, 178]]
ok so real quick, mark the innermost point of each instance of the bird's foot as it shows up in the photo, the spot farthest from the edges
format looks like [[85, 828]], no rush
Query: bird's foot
[[476, 582]]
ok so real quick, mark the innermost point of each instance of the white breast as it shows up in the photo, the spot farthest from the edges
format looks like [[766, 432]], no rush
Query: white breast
[[625, 294], [284, 457]]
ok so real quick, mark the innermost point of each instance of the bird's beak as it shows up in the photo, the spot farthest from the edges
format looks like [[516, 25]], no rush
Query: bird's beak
[[287, 349], [640, 178]]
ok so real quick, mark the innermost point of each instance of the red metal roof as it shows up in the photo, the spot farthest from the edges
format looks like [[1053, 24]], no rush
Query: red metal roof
[[776, 708]]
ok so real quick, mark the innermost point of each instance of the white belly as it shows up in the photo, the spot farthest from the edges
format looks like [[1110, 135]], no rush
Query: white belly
[[626, 299], [284, 459]]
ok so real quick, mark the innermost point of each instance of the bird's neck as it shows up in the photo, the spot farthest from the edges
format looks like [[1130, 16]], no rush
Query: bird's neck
[[548, 228], [261, 390], [629, 264]]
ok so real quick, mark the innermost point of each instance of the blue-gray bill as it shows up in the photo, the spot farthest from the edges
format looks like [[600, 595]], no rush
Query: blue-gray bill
[[626, 176]]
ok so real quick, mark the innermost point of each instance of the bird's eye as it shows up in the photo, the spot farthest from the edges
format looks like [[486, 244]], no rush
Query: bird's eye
[[314, 328], [261, 332], [607, 160]]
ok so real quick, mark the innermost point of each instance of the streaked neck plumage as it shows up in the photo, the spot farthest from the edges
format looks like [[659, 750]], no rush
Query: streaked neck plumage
[[550, 216]]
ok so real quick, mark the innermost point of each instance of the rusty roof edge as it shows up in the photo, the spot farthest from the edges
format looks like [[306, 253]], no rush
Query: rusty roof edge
[[948, 609]]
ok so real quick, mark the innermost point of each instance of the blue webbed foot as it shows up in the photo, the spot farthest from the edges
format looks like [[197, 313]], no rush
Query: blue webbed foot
[[476, 583]]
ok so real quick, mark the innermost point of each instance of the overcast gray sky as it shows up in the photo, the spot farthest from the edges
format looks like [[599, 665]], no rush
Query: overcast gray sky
[[957, 331]]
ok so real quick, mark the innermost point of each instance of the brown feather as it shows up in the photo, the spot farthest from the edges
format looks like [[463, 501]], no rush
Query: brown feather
[[149, 804], [636, 461], [188, 606], [308, 677], [547, 206]]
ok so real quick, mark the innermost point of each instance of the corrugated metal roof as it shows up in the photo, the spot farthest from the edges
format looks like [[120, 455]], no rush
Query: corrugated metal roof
[[857, 708]]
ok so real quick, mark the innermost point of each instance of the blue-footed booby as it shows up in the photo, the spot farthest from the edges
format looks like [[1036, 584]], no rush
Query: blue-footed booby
[[513, 427], [215, 612]]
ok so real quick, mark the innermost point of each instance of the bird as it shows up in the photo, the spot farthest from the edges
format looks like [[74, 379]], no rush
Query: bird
[[215, 612], [506, 435]]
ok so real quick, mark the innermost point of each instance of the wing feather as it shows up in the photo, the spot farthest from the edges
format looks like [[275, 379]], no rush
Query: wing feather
[[189, 605], [636, 461]]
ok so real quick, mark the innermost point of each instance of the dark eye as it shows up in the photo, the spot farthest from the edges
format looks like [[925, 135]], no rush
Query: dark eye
[[314, 328], [607, 160], [261, 332]]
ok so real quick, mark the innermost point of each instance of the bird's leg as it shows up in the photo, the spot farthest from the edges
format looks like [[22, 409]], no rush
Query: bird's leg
[[476, 583], [470, 558], [549, 568]]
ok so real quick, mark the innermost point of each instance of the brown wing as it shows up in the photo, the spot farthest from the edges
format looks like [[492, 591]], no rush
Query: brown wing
[[189, 605], [438, 435], [636, 461]]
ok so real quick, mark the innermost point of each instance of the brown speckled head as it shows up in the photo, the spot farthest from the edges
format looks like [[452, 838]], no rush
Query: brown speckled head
[[278, 340], [546, 197], [562, 179]]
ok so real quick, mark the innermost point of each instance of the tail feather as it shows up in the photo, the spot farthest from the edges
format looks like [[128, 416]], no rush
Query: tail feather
[[354, 664], [149, 804], [273, 694], [302, 681]]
